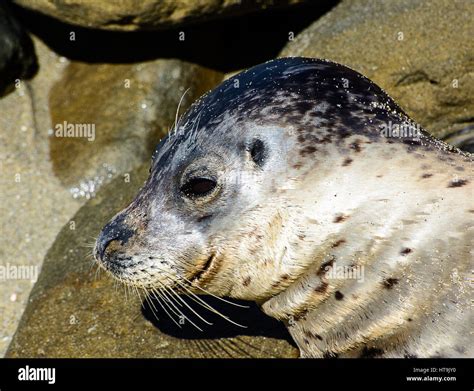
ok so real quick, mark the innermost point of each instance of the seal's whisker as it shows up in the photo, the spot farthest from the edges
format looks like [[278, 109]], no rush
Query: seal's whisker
[[198, 300], [206, 305], [171, 307], [177, 112], [217, 297], [164, 309], [138, 294], [192, 309], [186, 317], [190, 321], [152, 306]]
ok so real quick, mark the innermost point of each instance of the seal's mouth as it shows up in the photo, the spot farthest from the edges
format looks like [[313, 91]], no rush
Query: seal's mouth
[[205, 271]]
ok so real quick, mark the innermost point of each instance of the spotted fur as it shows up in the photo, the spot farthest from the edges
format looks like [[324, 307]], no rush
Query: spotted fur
[[325, 189]]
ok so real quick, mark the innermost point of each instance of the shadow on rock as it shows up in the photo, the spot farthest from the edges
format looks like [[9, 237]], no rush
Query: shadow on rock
[[225, 45], [189, 325]]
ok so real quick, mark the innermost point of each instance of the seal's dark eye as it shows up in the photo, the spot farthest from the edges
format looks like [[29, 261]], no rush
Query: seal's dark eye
[[198, 187], [257, 151]]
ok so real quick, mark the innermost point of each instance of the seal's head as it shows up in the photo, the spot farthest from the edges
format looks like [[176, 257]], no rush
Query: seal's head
[[214, 211]]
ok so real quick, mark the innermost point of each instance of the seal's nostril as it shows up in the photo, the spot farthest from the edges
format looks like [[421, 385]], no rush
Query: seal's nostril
[[113, 235]]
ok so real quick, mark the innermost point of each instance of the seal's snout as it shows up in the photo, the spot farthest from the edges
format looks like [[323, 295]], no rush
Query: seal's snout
[[112, 238]]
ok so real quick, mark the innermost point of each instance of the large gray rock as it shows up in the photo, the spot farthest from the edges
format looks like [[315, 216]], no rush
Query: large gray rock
[[75, 312], [17, 55], [129, 15], [420, 52]]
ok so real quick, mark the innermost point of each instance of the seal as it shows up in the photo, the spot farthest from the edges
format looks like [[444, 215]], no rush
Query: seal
[[299, 184]]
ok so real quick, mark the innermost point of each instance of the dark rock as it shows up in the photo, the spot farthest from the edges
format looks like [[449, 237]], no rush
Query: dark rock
[[17, 56]]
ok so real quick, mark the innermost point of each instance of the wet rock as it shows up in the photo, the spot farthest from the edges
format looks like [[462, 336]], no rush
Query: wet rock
[[107, 118], [419, 52], [17, 55], [151, 14], [75, 312], [33, 203]]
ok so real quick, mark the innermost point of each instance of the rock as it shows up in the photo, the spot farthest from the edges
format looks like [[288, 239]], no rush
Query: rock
[[420, 52], [75, 312], [17, 55], [151, 14], [33, 203], [122, 110]]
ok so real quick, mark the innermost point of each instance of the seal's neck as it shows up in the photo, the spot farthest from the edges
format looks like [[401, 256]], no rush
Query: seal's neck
[[379, 233]]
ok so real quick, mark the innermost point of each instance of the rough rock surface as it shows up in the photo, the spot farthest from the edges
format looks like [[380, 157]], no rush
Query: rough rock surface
[[33, 203], [150, 14], [75, 312], [420, 52]]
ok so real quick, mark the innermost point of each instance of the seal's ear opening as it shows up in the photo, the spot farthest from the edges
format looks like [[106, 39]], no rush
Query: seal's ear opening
[[258, 152]]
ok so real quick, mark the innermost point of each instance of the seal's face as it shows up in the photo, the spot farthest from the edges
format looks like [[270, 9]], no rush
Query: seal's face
[[184, 229]]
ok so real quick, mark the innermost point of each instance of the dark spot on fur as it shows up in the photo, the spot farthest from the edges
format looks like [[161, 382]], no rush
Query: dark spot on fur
[[406, 251], [325, 140], [338, 295], [300, 315], [246, 281], [344, 133], [285, 277], [355, 146], [459, 168], [424, 176], [390, 282], [318, 337], [308, 150], [297, 166], [205, 217], [321, 288], [410, 319], [338, 243], [371, 352], [409, 355], [458, 183], [340, 218], [346, 162], [325, 266]]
